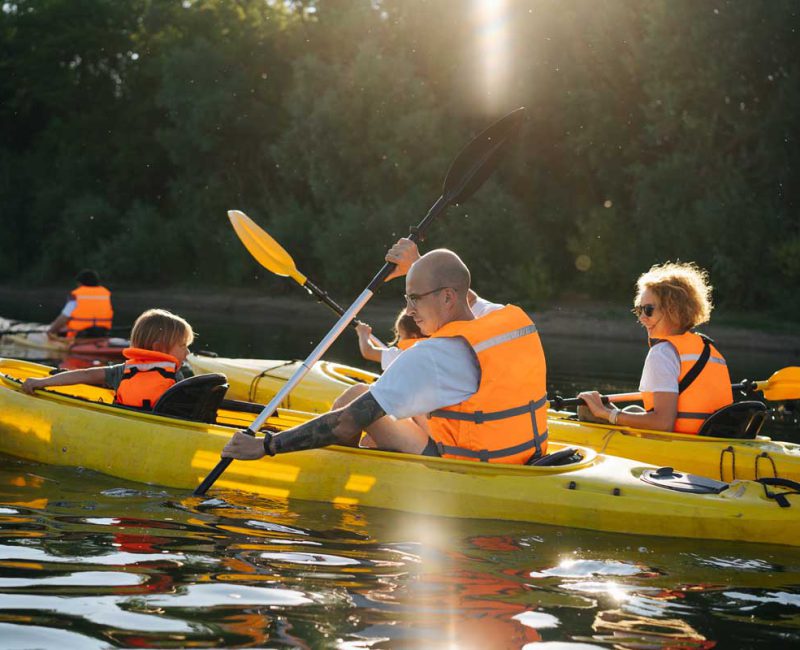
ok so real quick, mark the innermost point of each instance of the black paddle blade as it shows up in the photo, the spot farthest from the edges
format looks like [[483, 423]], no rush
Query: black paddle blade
[[478, 159]]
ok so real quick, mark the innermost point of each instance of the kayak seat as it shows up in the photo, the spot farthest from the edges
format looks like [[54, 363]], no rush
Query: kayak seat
[[194, 398], [741, 420], [563, 457]]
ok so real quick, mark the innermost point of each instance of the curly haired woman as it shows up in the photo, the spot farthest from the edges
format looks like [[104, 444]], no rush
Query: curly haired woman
[[685, 378]]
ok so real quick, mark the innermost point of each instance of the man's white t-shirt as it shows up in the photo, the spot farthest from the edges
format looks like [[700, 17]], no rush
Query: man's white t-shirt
[[479, 308], [662, 369], [431, 374]]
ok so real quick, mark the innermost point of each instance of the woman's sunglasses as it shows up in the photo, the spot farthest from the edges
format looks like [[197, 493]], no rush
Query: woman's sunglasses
[[647, 310]]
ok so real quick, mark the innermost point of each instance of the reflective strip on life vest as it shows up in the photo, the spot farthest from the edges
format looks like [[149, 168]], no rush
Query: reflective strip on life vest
[[711, 359], [503, 338]]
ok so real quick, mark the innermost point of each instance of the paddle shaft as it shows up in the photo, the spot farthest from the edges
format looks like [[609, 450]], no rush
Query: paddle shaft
[[560, 402], [322, 347], [469, 170], [322, 296]]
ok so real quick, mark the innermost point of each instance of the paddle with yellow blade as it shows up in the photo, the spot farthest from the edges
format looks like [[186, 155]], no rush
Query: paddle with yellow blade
[[784, 384], [469, 170], [274, 257]]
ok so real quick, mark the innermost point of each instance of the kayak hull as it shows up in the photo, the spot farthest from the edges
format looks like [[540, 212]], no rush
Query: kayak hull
[[599, 493], [725, 459], [721, 458]]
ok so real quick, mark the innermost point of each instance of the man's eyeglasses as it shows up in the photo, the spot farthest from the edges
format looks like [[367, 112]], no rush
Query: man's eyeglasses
[[412, 298], [647, 310]]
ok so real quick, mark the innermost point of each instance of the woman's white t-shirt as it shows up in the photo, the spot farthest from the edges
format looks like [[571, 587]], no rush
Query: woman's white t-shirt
[[388, 355], [662, 369]]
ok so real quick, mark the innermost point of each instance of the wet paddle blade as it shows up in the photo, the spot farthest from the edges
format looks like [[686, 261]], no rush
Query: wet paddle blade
[[475, 163], [782, 385], [267, 252]]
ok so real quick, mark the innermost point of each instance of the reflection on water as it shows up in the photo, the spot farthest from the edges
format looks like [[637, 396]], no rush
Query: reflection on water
[[88, 561], [93, 562]]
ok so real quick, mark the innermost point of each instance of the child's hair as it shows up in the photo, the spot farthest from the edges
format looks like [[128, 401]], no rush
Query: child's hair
[[683, 289], [160, 327], [405, 328]]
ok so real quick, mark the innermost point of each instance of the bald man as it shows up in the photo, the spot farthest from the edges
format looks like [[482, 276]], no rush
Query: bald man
[[474, 390]]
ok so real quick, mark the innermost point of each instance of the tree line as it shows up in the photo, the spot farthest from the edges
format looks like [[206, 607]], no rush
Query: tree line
[[656, 130]]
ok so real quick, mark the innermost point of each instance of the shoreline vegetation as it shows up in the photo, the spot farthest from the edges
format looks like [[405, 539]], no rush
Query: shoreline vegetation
[[568, 318]]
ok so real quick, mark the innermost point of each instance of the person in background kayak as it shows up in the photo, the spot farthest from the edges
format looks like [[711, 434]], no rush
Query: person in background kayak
[[685, 378], [480, 381], [159, 345], [406, 333], [88, 306]]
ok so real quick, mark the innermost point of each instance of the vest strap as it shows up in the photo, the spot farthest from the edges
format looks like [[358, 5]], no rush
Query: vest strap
[[692, 416], [504, 338], [484, 455], [697, 368], [132, 371], [478, 417]]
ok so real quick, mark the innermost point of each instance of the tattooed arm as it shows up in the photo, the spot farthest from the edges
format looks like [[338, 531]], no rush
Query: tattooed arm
[[343, 426]]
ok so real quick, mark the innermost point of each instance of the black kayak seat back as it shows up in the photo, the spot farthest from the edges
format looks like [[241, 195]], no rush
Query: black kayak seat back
[[194, 398], [742, 420], [562, 457]]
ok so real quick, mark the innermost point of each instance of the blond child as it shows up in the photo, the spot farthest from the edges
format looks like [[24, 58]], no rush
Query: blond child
[[406, 333], [159, 345]]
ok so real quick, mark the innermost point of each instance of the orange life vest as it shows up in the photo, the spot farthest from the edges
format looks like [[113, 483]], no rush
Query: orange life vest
[[407, 343], [147, 375], [708, 391], [92, 309], [505, 421]]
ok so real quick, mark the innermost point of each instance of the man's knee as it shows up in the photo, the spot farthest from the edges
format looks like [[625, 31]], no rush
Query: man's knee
[[356, 390]]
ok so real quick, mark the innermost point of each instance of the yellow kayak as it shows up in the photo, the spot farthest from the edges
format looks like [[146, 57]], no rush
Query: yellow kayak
[[78, 426], [257, 380]]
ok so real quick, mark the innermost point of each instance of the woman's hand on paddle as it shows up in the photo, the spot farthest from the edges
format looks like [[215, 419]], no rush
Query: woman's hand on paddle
[[244, 447], [595, 403], [404, 253], [363, 330]]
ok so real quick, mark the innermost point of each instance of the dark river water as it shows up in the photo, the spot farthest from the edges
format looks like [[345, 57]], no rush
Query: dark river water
[[91, 561]]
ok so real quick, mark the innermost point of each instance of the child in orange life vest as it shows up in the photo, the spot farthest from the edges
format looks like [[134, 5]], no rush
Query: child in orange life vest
[[88, 307], [406, 333], [159, 345]]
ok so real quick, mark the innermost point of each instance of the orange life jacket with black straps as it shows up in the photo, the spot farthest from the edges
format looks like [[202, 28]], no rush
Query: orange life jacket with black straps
[[147, 375], [505, 421], [704, 383], [92, 309], [407, 343]]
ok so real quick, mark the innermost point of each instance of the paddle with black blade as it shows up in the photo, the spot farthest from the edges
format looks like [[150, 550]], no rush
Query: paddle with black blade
[[783, 384], [273, 257], [469, 170]]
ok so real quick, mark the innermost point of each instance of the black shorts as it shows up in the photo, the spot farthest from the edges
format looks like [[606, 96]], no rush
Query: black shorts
[[431, 449]]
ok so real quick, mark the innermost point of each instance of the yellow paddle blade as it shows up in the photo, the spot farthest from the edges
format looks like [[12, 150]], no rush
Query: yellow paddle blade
[[267, 252], [782, 385]]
